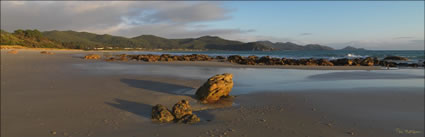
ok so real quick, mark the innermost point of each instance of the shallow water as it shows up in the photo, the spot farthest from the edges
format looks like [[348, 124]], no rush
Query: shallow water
[[248, 80]]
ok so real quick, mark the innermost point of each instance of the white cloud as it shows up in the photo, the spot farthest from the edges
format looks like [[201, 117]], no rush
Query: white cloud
[[130, 18]]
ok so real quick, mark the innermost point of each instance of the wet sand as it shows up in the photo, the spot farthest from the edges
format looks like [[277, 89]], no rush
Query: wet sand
[[42, 94]]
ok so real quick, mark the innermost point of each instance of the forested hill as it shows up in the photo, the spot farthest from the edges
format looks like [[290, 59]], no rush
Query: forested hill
[[28, 38], [86, 40]]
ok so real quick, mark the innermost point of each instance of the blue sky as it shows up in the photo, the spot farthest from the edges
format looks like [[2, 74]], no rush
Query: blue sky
[[371, 25], [329, 21]]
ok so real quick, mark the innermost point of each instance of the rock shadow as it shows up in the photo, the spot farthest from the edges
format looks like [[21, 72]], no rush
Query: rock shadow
[[140, 109], [159, 86]]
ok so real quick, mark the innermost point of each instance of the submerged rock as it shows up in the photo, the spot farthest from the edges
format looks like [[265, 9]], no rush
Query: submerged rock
[[181, 109], [92, 56], [216, 87], [162, 114]]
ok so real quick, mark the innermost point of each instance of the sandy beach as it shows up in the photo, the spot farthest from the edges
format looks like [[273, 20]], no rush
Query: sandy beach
[[65, 95]]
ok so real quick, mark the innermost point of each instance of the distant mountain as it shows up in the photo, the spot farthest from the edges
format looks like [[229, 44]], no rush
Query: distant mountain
[[293, 46], [352, 48], [86, 40]]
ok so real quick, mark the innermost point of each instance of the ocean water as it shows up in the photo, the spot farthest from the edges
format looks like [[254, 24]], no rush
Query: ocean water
[[413, 55]]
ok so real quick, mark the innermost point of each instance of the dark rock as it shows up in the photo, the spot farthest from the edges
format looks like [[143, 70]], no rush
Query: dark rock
[[396, 58], [234, 59], [367, 62], [161, 113], [324, 62], [220, 57], [342, 62]]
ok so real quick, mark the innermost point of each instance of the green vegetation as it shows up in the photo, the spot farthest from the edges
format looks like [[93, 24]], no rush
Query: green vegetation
[[28, 38], [85, 40]]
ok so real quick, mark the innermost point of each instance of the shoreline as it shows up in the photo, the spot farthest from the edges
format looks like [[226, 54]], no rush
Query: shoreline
[[215, 63]]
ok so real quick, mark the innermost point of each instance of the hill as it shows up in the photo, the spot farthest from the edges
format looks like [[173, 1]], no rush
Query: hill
[[85, 40], [293, 46], [352, 48], [27, 38]]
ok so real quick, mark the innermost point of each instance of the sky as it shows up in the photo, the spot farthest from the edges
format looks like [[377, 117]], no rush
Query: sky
[[379, 25]]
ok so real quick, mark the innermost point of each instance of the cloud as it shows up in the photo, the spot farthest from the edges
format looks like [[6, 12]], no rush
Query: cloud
[[129, 18]]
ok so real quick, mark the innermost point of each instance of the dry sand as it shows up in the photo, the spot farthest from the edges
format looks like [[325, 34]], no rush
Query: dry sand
[[45, 94]]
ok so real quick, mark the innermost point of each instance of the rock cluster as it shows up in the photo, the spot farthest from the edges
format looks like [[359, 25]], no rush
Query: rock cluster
[[181, 113], [215, 88], [267, 60], [92, 56], [168, 57]]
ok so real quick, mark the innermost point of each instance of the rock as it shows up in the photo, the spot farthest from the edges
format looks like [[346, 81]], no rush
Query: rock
[[308, 62], [46, 52], [414, 65], [324, 62], [216, 87], [110, 59], [290, 61], [396, 58], [250, 60], [357, 61], [189, 119], [123, 57], [265, 60], [342, 62], [351, 133], [92, 56], [181, 109], [234, 59], [161, 113], [367, 62], [220, 57], [13, 52]]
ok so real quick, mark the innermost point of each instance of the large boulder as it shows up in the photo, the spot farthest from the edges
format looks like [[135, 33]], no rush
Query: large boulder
[[395, 58], [181, 109], [216, 87], [161, 114]]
